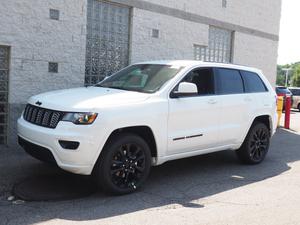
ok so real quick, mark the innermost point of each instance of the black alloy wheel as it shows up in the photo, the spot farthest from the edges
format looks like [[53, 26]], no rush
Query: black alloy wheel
[[128, 165], [256, 145], [259, 144], [123, 165]]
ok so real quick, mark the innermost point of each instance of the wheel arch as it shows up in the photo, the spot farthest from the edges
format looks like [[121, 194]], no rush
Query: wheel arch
[[265, 119], [144, 132]]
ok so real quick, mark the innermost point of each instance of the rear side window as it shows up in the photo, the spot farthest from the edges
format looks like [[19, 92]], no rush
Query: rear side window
[[229, 81], [253, 82], [295, 92]]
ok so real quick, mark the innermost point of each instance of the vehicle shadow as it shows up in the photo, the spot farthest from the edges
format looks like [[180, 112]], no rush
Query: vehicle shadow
[[184, 182]]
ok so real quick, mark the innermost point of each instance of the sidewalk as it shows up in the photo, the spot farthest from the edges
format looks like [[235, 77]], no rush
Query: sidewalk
[[295, 120]]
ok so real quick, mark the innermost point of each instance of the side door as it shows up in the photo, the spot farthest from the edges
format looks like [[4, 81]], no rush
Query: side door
[[235, 105], [193, 122], [257, 90]]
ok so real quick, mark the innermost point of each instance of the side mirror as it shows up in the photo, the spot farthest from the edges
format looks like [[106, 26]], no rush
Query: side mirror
[[185, 89]]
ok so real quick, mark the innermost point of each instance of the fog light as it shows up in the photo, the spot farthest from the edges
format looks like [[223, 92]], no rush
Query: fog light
[[72, 145]]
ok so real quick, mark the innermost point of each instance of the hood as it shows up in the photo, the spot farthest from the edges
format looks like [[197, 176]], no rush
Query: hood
[[86, 99]]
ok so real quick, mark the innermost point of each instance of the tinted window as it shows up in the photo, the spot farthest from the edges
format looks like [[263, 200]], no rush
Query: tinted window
[[229, 81], [204, 80], [253, 83], [295, 92]]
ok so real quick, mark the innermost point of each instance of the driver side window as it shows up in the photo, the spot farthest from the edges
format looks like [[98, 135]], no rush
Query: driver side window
[[203, 78]]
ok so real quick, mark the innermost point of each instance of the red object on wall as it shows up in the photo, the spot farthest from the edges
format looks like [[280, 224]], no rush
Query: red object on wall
[[287, 112]]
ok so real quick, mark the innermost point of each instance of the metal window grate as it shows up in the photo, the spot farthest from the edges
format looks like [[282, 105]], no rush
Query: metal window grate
[[224, 3], [155, 33], [107, 47], [4, 71], [54, 14], [53, 67], [219, 47]]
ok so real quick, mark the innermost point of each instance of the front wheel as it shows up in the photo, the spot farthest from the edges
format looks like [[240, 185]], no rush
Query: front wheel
[[256, 145], [124, 164]]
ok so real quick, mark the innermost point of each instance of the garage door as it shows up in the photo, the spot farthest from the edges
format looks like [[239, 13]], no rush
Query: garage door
[[4, 65], [107, 48]]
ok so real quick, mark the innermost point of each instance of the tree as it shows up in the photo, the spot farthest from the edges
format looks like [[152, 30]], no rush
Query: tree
[[296, 76], [280, 81]]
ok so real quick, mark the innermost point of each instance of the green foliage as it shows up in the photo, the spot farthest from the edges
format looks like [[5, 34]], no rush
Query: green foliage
[[294, 75], [280, 80]]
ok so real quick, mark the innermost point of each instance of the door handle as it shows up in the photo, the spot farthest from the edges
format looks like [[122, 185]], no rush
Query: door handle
[[212, 101]]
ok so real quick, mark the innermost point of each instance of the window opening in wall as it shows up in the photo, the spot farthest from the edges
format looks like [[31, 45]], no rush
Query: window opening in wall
[[155, 33], [107, 47], [219, 47], [4, 72], [54, 14], [53, 67], [224, 3]]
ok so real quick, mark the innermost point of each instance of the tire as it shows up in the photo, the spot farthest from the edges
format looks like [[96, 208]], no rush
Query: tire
[[299, 107], [124, 164], [256, 144]]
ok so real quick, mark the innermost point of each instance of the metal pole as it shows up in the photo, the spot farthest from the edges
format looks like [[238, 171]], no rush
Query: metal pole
[[286, 77], [287, 118], [287, 70]]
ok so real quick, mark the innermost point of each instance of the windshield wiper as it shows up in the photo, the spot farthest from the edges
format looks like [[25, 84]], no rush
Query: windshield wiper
[[123, 88]]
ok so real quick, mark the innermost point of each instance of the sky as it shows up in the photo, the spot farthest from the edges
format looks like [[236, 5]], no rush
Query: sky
[[289, 37]]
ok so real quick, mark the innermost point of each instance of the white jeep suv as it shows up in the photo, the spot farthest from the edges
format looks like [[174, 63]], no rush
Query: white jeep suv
[[150, 113]]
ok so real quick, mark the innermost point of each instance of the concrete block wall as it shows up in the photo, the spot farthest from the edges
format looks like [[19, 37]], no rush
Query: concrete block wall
[[175, 41], [256, 14], [35, 40], [256, 52]]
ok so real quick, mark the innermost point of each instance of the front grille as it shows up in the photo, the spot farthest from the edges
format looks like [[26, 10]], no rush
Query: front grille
[[42, 117]]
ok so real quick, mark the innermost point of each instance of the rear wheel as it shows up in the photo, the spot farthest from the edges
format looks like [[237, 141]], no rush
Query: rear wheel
[[256, 145], [124, 164], [299, 107]]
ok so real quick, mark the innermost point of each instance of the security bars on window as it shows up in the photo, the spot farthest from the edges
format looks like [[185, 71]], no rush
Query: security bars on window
[[107, 49]]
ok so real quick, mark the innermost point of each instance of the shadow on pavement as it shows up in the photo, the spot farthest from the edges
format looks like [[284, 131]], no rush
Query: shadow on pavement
[[178, 182]]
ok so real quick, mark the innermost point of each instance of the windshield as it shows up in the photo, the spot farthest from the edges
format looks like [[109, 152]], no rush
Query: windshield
[[147, 78]]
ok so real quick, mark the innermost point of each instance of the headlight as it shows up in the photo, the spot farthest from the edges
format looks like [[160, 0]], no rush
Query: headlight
[[80, 118]]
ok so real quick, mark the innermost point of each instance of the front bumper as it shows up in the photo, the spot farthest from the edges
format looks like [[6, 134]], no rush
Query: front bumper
[[79, 161], [37, 151]]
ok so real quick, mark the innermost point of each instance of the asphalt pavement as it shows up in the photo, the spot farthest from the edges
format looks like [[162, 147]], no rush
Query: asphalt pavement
[[209, 189]]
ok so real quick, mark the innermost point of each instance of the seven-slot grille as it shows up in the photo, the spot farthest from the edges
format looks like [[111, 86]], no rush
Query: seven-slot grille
[[42, 117]]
